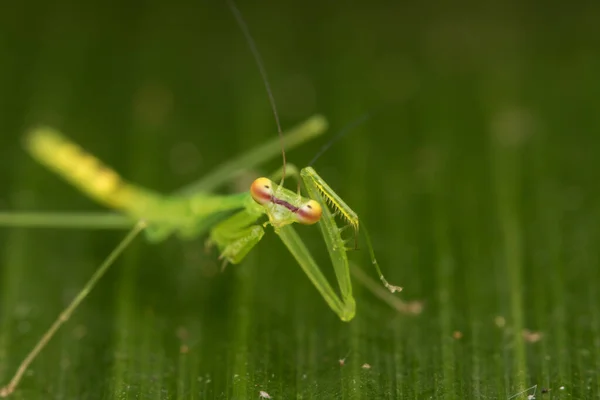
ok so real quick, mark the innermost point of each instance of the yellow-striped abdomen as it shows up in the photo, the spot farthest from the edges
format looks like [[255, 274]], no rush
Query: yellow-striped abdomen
[[82, 169]]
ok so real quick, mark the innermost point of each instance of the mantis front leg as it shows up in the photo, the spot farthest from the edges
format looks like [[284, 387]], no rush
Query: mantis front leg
[[344, 306], [237, 235], [317, 188]]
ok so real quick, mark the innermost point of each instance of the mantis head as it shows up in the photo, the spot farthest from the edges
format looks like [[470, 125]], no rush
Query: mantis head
[[284, 206]]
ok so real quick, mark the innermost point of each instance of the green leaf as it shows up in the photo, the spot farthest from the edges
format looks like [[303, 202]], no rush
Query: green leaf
[[477, 176]]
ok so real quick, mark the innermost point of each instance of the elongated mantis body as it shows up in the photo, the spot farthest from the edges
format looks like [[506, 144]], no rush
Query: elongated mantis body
[[231, 220], [233, 223]]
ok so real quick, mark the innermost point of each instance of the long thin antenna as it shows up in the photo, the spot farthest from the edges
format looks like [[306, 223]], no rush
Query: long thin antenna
[[346, 129], [244, 27], [343, 132]]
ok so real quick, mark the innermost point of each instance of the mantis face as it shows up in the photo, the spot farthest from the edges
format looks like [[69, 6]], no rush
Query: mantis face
[[284, 206]]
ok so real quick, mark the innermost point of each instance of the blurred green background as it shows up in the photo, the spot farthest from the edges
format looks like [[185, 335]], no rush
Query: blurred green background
[[476, 175]]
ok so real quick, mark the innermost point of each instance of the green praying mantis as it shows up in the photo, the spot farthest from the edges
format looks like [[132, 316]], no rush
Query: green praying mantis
[[234, 223]]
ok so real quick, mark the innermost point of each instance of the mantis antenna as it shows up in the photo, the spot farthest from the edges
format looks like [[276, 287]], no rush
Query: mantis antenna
[[343, 132], [346, 129], [263, 73]]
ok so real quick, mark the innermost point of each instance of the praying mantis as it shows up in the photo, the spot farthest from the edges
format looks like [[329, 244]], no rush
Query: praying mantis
[[234, 223]]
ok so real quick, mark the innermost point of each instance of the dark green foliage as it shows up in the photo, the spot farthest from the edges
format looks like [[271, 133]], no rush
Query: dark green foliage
[[477, 176]]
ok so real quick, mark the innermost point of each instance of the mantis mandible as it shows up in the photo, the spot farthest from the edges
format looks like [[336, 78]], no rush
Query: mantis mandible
[[231, 221]]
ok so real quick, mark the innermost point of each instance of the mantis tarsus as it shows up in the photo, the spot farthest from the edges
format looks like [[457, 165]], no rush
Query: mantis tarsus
[[231, 221]]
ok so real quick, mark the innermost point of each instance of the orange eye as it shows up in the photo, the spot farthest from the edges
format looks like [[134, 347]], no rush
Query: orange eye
[[261, 190], [310, 213]]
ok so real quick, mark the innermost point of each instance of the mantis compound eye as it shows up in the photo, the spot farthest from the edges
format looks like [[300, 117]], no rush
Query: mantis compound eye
[[261, 190], [310, 213]]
